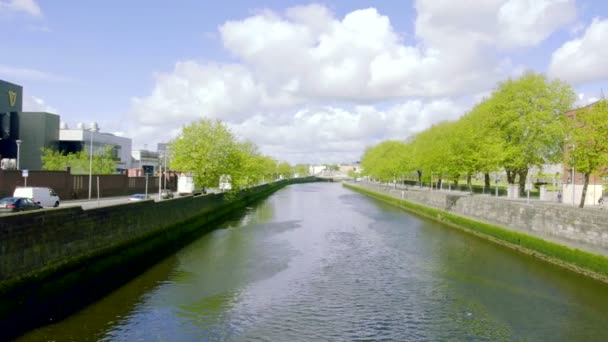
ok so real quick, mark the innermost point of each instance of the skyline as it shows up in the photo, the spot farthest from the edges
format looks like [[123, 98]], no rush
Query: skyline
[[326, 80]]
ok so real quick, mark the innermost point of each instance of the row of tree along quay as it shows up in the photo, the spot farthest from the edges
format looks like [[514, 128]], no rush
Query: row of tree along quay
[[520, 125], [206, 149]]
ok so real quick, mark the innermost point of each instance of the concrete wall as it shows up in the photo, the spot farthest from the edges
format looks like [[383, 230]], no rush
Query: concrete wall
[[70, 186], [585, 229], [32, 241]]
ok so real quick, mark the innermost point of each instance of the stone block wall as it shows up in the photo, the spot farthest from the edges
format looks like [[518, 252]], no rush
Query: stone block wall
[[33, 241], [585, 229]]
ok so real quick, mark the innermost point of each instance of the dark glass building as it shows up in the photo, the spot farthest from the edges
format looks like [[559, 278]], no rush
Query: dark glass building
[[35, 130]]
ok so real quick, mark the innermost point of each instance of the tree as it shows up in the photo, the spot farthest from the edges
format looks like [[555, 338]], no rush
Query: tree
[[103, 163], [208, 150], [385, 161], [302, 169], [285, 170], [528, 117], [588, 140]]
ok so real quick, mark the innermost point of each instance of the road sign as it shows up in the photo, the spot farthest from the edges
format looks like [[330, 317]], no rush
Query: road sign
[[25, 173]]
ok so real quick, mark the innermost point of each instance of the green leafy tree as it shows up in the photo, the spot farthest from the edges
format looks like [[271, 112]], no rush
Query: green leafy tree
[[285, 170], [301, 169], [208, 150], [588, 140], [102, 163], [386, 161], [528, 117]]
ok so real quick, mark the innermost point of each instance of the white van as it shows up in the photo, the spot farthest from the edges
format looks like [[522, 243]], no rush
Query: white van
[[46, 197]]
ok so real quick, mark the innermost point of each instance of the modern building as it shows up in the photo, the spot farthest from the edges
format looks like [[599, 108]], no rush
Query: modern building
[[146, 161], [11, 102], [23, 135], [78, 139], [37, 131]]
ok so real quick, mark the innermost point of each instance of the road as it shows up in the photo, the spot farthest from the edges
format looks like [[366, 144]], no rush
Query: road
[[103, 202]]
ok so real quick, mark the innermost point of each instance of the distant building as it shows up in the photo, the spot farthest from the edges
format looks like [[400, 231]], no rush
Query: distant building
[[346, 168], [32, 131], [147, 161], [38, 131], [316, 170], [78, 139]]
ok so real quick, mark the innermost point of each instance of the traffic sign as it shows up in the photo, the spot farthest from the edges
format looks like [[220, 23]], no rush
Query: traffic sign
[[25, 173]]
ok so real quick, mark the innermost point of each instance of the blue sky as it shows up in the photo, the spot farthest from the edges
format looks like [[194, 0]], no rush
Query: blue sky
[[116, 62]]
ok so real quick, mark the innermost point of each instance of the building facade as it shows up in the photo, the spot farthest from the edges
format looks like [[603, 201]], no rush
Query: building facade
[[145, 161], [23, 135], [11, 103], [72, 140], [37, 131]]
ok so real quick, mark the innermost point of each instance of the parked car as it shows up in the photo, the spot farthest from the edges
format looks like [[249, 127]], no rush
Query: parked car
[[15, 204], [46, 197], [138, 197], [166, 194]]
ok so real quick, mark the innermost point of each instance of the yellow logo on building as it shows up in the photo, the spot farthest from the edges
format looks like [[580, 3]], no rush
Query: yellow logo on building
[[12, 98]]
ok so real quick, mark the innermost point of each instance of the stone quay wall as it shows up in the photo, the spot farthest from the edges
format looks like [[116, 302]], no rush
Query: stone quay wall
[[585, 229]]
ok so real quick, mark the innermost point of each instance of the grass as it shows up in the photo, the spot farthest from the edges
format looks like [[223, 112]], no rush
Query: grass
[[583, 262]]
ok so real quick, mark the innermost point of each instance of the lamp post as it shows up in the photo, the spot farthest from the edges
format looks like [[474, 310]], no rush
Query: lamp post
[[160, 178], [18, 152], [92, 129], [165, 173]]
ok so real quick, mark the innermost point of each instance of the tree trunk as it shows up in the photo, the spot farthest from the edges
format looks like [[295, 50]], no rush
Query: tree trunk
[[582, 204], [510, 176], [523, 174], [486, 179], [419, 177], [469, 182]]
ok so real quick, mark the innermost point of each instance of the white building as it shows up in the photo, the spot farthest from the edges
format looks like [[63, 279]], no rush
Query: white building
[[80, 138], [316, 170], [145, 160]]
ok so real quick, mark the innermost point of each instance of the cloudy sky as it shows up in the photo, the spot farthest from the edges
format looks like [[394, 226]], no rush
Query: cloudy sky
[[308, 82]]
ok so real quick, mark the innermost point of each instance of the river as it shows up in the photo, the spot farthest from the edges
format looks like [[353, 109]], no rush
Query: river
[[318, 262]]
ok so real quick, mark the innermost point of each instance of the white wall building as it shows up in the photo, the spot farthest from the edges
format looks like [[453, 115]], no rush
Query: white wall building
[[316, 170], [79, 139], [146, 160]]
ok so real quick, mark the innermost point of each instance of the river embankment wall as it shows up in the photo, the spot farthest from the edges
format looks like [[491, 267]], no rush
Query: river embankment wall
[[49, 256], [572, 237]]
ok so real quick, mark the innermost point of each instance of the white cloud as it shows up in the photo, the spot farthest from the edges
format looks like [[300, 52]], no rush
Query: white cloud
[[503, 23], [583, 59], [36, 104], [308, 84], [26, 6]]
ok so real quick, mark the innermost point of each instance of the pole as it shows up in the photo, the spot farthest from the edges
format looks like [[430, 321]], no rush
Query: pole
[[496, 182], [98, 191], [165, 173], [160, 180], [91, 164], [18, 141], [146, 185], [573, 188]]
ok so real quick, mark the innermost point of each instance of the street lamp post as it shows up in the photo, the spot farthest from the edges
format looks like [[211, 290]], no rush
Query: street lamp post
[[18, 152], [92, 129], [160, 178], [165, 173]]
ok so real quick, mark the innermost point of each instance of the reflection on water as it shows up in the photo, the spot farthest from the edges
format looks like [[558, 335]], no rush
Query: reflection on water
[[320, 262]]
